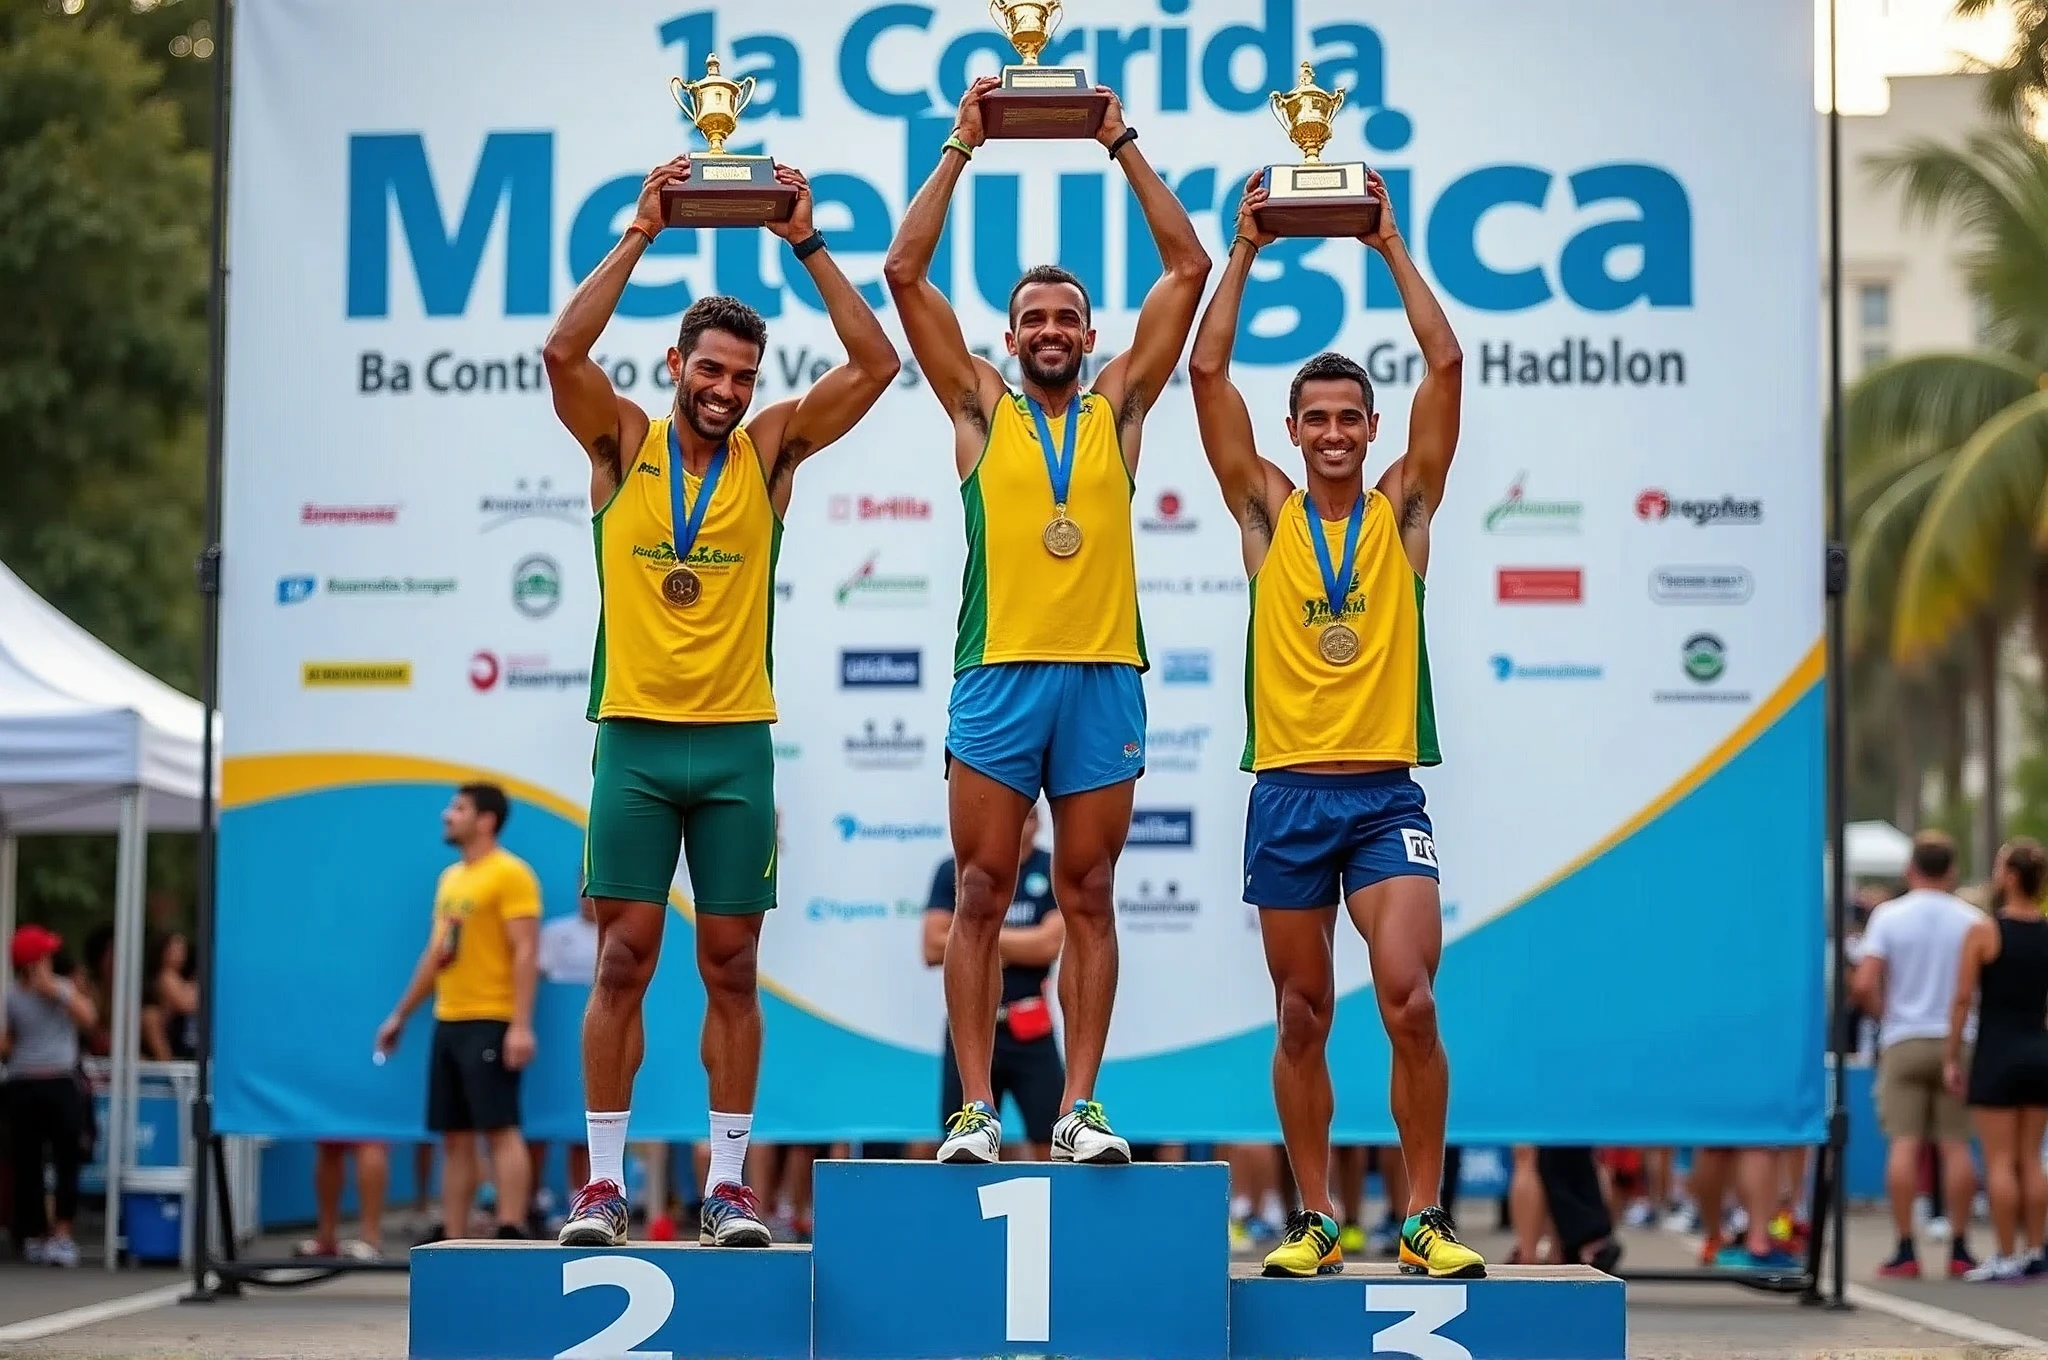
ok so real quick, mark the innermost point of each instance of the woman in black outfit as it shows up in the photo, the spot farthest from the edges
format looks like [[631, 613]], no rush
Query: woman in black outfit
[[2004, 969]]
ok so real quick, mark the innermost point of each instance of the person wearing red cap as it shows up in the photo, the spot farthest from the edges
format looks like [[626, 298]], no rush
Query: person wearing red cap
[[45, 1105]]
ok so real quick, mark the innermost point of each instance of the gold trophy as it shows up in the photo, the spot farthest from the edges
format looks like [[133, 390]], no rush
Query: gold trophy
[[722, 190], [1316, 197], [1038, 101]]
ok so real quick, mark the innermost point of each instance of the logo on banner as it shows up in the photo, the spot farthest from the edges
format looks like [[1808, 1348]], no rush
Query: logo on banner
[[1185, 667], [1701, 585], [1515, 513], [536, 585], [833, 909], [1540, 585], [1178, 749], [1163, 827], [873, 748], [295, 589], [526, 670], [865, 508], [1165, 909], [881, 670], [1169, 516], [310, 513], [356, 674], [1704, 659], [852, 828], [872, 588], [1655, 505], [1192, 585], [1507, 668], [532, 498]]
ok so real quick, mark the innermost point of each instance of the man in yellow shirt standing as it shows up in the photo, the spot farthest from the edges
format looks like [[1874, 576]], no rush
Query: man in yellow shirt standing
[[481, 960]]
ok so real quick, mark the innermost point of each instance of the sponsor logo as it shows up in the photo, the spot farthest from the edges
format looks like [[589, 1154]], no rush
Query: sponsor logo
[[356, 674], [1191, 585], [1173, 827], [1701, 585], [1175, 748], [1515, 513], [534, 498], [1419, 845], [1704, 659], [872, 589], [833, 909], [527, 670], [1540, 585], [1170, 516], [1164, 910], [1188, 667], [703, 555], [873, 748], [865, 508], [1507, 668], [852, 828], [536, 585], [295, 589], [881, 670], [310, 513], [646, 469], [1654, 505]]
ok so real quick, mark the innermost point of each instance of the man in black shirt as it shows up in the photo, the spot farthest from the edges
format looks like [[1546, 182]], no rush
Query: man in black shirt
[[1027, 1060]]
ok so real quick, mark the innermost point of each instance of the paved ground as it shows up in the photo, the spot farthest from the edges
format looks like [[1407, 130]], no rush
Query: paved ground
[[363, 1317]]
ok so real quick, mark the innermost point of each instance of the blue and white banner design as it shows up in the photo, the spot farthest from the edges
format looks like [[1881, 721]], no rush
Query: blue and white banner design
[[1624, 597]]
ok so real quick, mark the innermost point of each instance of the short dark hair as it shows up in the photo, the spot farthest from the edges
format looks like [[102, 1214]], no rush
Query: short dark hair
[[1051, 273], [488, 798], [1329, 366], [1934, 854], [2028, 863], [720, 313]]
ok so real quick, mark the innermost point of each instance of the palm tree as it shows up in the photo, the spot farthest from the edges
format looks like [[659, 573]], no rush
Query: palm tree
[[2010, 88]]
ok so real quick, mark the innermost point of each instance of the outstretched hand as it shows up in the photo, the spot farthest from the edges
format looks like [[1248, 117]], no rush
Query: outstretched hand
[[1113, 125], [967, 125], [648, 215], [1388, 230], [1247, 212], [799, 225]]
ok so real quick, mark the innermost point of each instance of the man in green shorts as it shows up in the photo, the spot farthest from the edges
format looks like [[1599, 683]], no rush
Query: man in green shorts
[[689, 520]]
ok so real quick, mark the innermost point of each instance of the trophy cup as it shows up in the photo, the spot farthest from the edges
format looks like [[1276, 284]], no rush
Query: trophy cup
[[1315, 198], [1038, 101], [722, 190]]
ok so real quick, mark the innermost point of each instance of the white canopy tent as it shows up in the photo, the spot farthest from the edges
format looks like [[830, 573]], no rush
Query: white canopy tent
[[90, 743]]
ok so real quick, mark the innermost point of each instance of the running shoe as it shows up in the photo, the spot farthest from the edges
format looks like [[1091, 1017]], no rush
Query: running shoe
[[1308, 1249], [1429, 1247], [973, 1134], [597, 1217], [732, 1217], [1738, 1256], [1084, 1135], [1960, 1261], [1998, 1270], [1904, 1265], [2037, 1265]]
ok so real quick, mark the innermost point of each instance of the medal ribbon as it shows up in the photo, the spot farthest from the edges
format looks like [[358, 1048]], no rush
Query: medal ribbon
[[1335, 583], [687, 520], [1062, 470]]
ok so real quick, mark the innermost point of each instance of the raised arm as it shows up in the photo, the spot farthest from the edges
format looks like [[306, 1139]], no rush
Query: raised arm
[[1250, 484], [601, 418], [1434, 417], [790, 431], [1133, 380]]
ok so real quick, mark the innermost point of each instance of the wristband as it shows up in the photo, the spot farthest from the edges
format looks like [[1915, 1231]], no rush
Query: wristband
[[636, 227], [1247, 240], [809, 246], [1129, 134], [958, 145]]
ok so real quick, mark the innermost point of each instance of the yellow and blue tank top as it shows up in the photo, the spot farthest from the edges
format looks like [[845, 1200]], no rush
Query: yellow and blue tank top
[[1301, 708], [1018, 602], [706, 662]]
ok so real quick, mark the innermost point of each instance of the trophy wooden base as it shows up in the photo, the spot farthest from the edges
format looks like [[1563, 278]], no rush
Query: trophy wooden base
[[1318, 199], [1038, 102], [728, 191]]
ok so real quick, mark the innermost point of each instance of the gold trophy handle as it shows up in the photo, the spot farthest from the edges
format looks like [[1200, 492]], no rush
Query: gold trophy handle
[[681, 90], [1278, 103], [1336, 101], [1052, 19], [747, 92], [997, 9]]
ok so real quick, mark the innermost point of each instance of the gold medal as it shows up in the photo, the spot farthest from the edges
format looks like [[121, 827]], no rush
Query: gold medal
[[1062, 535], [1338, 644], [681, 588]]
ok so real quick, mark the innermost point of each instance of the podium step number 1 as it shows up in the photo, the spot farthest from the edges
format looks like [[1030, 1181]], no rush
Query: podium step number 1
[[1027, 1254]]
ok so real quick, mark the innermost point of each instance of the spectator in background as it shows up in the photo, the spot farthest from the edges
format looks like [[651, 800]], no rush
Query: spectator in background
[[1912, 952], [169, 1022], [1027, 1058], [46, 1100], [373, 1176], [481, 963]]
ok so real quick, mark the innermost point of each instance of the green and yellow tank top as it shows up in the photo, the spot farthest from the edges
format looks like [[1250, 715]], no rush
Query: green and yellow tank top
[[697, 651], [1303, 708], [1018, 600]]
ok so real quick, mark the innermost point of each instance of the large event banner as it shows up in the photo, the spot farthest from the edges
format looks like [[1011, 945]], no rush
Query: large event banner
[[1616, 203]]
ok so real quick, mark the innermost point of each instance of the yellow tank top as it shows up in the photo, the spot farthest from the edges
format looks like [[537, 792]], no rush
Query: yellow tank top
[[706, 662], [1018, 602], [1302, 708]]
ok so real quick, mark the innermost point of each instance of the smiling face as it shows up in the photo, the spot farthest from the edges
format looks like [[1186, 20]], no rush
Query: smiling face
[[715, 381], [1049, 331], [1333, 427]]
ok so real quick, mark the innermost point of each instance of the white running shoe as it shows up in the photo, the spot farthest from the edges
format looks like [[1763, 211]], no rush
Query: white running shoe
[[974, 1134], [1083, 1135], [1997, 1270]]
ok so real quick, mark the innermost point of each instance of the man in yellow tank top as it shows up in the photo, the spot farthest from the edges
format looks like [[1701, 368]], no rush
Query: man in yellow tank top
[[1046, 688], [688, 521], [1337, 687]]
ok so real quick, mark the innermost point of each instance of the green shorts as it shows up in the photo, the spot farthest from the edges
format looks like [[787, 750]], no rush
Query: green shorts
[[706, 790]]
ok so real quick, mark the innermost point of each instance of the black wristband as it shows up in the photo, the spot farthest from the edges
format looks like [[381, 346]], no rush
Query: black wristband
[[1129, 134], [809, 246]]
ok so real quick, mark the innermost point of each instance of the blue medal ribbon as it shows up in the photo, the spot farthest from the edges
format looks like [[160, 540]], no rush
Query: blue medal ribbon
[[688, 519], [1336, 583], [1061, 470]]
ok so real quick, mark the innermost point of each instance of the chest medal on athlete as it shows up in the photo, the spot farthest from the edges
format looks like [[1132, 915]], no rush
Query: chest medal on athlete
[[1062, 536], [682, 587], [1338, 642]]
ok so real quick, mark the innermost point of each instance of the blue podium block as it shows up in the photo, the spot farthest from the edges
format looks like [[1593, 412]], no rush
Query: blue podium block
[[539, 1301], [914, 1260], [1373, 1312]]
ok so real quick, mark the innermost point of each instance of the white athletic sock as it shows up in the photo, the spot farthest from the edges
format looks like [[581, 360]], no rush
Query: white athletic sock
[[728, 1150], [607, 1136]]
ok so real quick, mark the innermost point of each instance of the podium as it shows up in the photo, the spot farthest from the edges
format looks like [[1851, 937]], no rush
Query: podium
[[913, 1260]]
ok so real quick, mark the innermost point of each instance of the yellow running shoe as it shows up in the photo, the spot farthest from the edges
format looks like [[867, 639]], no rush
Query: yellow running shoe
[[1429, 1247], [1308, 1249], [1352, 1239]]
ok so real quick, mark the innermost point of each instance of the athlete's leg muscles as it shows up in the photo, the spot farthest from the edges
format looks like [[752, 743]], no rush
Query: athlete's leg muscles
[[1298, 956], [728, 948], [629, 943], [987, 818], [1402, 922], [1088, 831]]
